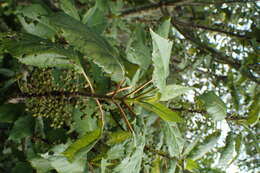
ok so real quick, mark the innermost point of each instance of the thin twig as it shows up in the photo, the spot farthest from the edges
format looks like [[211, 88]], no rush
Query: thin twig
[[138, 89], [119, 90], [124, 116], [97, 101]]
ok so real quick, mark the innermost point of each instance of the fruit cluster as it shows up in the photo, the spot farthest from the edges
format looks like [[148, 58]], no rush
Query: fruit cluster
[[59, 108]]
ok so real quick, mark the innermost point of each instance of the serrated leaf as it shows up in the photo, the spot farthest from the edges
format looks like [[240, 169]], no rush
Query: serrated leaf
[[118, 137], [132, 163], [227, 154], [161, 110], [9, 112], [173, 139], [81, 143], [95, 19], [23, 127], [164, 27], [208, 144], [88, 42], [161, 59], [214, 105], [69, 8], [137, 52], [33, 50], [172, 91]]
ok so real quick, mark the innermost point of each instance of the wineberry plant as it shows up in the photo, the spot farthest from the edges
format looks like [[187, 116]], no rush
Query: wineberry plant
[[128, 86]]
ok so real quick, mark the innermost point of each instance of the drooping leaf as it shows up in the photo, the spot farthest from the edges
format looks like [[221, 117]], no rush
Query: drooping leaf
[[227, 154], [161, 110], [32, 50], [9, 112], [23, 127], [173, 139], [161, 58], [81, 143], [214, 105], [118, 137], [137, 51], [172, 91], [88, 42], [208, 144], [69, 8]]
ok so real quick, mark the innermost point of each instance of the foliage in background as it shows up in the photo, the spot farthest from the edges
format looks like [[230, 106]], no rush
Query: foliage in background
[[129, 86]]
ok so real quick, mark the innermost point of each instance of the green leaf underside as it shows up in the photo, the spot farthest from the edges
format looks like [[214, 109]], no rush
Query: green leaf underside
[[160, 57], [214, 105], [32, 50], [88, 42], [161, 110], [228, 152], [173, 91], [173, 139], [208, 144], [81, 143]]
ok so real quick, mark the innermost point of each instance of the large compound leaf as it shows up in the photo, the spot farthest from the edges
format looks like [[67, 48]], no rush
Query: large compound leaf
[[87, 41], [161, 58], [173, 139], [81, 143], [35, 51], [214, 105], [228, 152], [161, 110], [172, 91], [208, 144]]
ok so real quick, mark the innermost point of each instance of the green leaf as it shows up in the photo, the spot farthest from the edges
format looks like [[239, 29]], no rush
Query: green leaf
[[41, 165], [173, 139], [33, 50], [118, 137], [132, 163], [95, 19], [22, 167], [155, 168], [81, 143], [88, 42], [208, 144], [137, 52], [23, 127], [161, 58], [228, 152], [161, 110], [172, 91], [190, 164], [164, 27], [214, 105], [69, 8], [9, 112], [254, 111], [190, 147]]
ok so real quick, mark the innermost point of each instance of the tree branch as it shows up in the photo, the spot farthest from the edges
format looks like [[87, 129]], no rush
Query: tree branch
[[165, 3]]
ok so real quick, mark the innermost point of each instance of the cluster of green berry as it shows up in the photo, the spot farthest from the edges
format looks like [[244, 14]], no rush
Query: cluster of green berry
[[57, 108]]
